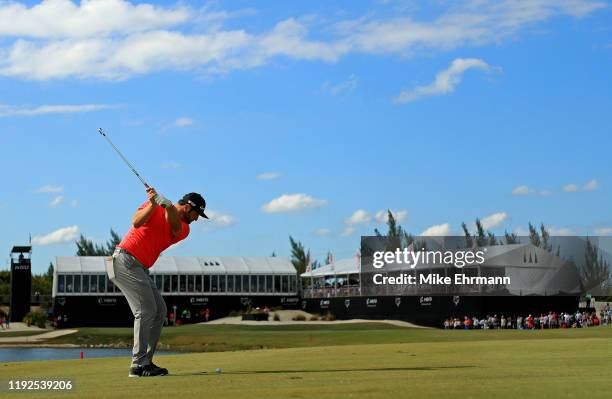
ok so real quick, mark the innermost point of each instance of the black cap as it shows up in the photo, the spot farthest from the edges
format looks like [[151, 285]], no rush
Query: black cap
[[197, 203]]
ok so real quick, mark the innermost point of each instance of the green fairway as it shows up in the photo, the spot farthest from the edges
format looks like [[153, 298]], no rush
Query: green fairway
[[214, 338], [505, 364]]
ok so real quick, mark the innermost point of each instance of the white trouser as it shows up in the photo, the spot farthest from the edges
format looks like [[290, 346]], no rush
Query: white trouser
[[146, 303]]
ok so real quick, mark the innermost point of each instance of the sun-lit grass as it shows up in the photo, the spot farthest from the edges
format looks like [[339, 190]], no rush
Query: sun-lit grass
[[213, 338], [430, 364]]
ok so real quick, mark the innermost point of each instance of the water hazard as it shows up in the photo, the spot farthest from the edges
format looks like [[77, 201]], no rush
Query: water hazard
[[30, 354]]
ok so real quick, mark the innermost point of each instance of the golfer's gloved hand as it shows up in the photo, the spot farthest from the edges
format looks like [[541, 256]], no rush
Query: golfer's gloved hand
[[162, 201]]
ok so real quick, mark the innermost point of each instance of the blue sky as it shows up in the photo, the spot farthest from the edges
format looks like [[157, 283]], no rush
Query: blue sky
[[304, 119]]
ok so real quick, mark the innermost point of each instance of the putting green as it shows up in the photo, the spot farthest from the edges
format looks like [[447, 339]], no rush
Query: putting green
[[514, 366]]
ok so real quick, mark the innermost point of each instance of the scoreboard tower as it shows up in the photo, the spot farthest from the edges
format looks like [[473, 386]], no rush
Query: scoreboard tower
[[21, 282]]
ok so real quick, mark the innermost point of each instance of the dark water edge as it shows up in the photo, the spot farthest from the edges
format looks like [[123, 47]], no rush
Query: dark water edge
[[38, 353]]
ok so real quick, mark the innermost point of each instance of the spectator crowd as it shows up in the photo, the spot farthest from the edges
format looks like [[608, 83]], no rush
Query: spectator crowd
[[577, 319]]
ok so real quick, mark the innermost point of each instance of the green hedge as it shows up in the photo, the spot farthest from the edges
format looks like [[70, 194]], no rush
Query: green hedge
[[38, 319]]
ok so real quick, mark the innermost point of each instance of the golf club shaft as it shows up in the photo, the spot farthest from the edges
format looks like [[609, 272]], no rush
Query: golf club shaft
[[122, 157]]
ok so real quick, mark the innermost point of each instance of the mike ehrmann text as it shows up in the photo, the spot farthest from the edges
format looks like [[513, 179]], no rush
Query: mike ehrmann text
[[437, 279]]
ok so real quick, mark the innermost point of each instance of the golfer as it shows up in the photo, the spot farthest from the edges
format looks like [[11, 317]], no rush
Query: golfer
[[157, 224]]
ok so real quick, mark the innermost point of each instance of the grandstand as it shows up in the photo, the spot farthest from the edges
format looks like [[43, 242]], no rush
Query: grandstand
[[83, 295], [540, 282]]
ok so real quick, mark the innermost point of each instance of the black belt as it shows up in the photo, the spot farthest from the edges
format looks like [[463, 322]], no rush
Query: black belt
[[122, 251], [125, 251]]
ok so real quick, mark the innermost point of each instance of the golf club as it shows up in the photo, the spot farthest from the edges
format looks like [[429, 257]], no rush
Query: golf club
[[125, 160], [122, 157]]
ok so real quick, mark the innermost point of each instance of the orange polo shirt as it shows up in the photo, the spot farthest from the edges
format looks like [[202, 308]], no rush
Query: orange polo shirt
[[148, 241]]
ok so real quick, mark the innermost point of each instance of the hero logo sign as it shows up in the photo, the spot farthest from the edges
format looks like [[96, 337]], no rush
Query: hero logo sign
[[425, 300], [289, 301], [107, 301], [371, 302], [324, 304]]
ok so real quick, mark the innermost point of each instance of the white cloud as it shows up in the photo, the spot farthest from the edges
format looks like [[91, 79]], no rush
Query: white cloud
[[268, 176], [343, 87], [56, 201], [570, 188], [291, 203], [603, 231], [220, 219], [545, 193], [358, 217], [171, 165], [591, 185], [63, 19], [348, 231], [477, 23], [323, 232], [50, 189], [521, 190], [437, 230], [445, 81], [115, 39], [6, 110], [59, 236], [560, 231], [493, 220], [183, 122], [525, 190], [382, 216]]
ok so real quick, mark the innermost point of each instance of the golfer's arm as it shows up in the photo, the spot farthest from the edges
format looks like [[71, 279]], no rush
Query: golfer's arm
[[142, 215], [173, 218]]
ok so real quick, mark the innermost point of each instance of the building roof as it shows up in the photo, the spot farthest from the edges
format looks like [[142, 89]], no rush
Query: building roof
[[339, 267], [21, 249], [185, 265]]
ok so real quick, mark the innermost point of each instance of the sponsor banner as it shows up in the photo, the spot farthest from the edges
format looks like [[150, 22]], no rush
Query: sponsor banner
[[107, 301], [290, 300], [371, 302], [425, 300]]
